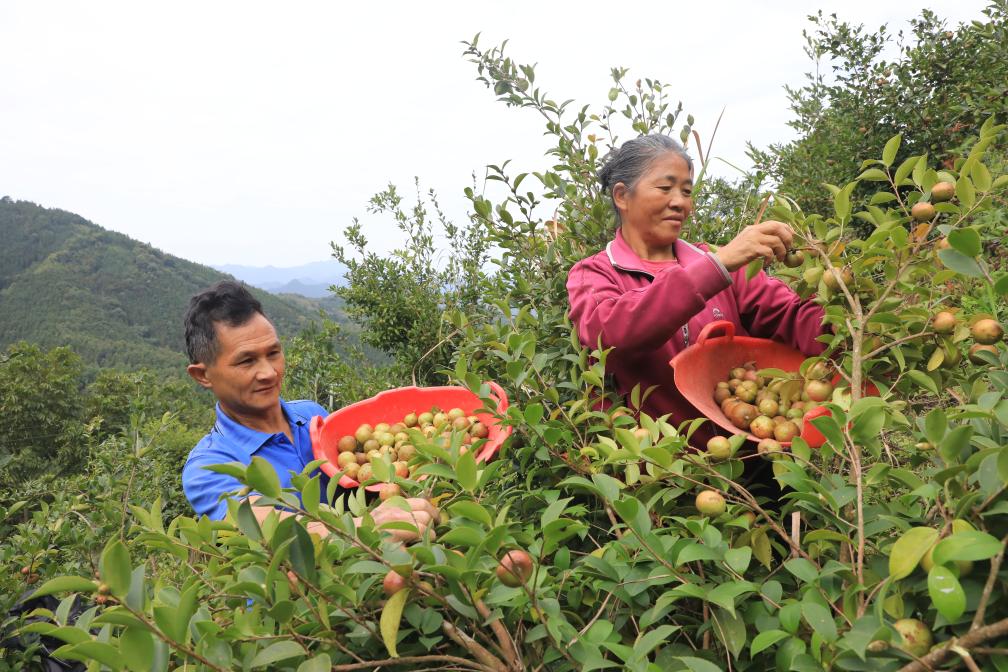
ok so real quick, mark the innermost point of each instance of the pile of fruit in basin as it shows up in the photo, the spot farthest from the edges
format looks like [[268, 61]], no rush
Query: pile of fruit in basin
[[770, 404], [391, 442]]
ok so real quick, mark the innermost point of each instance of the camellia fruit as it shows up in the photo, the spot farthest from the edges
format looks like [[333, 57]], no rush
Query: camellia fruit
[[943, 322], [393, 583], [770, 449], [942, 191], [980, 347], [818, 390], [762, 427], [917, 639], [786, 431], [711, 503], [794, 259], [346, 444], [515, 568], [832, 278], [719, 448], [922, 211], [986, 331], [389, 490]]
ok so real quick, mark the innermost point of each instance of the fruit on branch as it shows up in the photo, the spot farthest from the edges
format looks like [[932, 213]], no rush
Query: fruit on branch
[[833, 277], [515, 568], [794, 258], [922, 211], [942, 191], [711, 503], [770, 449], [980, 347], [987, 331], [916, 637], [818, 390], [812, 275], [719, 448], [943, 322], [393, 583]]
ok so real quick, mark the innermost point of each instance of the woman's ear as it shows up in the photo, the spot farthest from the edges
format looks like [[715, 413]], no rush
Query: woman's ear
[[620, 192]]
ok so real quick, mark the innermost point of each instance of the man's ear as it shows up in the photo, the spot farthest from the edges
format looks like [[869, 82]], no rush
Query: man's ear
[[198, 372]]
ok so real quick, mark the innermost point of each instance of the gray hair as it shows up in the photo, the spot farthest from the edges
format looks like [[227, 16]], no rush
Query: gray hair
[[631, 160]]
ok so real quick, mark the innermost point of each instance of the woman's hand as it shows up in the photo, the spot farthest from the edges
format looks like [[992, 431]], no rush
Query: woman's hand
[[769, 240], [423, 514]]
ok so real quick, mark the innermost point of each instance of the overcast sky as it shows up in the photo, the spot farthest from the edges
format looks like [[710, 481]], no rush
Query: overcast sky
[[252, 133]]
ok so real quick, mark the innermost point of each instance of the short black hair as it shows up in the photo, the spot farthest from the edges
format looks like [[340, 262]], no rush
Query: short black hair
[[227, 301]]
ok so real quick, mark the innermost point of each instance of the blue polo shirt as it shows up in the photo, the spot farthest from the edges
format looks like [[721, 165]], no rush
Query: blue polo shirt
[[230, 441]]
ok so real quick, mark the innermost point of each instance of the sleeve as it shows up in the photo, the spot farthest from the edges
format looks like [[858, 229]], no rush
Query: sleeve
[[771, 309], [641, 319], [203, 488]]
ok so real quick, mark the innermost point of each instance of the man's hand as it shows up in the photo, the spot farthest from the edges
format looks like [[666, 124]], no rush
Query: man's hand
[[422, 514], [769, 240]]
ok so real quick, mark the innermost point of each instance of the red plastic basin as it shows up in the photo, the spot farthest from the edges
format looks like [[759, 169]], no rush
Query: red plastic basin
[[699, 368], [392, 406]]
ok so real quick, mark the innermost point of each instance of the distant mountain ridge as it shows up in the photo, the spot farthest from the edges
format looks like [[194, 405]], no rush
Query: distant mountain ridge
[[312, 279], [116, 301]]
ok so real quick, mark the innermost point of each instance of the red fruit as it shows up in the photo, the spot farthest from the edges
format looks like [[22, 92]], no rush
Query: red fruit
[[393, 583], [813, 437], [515, 568]]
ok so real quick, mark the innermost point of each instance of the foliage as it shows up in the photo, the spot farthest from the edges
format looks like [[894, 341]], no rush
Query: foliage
[[398, 299], [900, 514], [942, 84]]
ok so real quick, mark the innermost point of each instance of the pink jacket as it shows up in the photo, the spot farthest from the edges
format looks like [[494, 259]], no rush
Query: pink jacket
[[647, 319]]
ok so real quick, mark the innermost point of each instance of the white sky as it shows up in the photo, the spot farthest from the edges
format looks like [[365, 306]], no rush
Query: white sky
[[252, 133]]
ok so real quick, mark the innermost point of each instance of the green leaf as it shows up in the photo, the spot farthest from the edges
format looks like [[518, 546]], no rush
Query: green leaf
[[65, 584], [465, 471], [276, 652], [803, 569], [391, 616], [981, 177], [302, 554], [819, 618], [738, 558], [935, 425], [946, 592], [960, 263], [924, 380], [472, 511], [311, 495], [909, 549], [115, 568], [967, 545], [965, 192], [1001, 285], [697, 664], [765, 640], [137, 649], [966, 240], [247, 522], [753, 268], [873, 175], [106, 654], [955, 442], [463, 536], [725, 594], [320, 663], [263, 477], [891, 147], [868, 425]]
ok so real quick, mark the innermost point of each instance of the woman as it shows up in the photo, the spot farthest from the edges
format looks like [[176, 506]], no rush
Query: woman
[[649, 292]]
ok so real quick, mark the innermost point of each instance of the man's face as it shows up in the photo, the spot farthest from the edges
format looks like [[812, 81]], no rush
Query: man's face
[[248, 372]]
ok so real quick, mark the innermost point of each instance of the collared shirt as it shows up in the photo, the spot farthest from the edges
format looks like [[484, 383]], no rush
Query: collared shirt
[[230, 441]]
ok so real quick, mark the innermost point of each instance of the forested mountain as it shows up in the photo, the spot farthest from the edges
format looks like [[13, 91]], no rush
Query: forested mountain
[[116, 301]]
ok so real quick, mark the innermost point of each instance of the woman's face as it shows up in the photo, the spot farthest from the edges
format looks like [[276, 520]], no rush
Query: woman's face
[[655, 209]]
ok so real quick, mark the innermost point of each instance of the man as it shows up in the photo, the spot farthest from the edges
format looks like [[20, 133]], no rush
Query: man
[[234, 352]]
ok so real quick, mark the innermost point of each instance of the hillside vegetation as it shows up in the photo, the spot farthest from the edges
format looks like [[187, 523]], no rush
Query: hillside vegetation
[[115, 301]]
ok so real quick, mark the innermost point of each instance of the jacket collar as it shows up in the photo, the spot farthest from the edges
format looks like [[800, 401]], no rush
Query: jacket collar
[[621, 256], [247, 440]]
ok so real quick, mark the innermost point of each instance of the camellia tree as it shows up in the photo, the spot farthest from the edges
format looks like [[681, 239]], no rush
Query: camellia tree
[[598, 538]]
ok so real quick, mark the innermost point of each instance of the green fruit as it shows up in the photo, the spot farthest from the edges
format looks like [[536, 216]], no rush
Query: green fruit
[[942, 191], [922, 211], [363, 433], [719, 448], [794, 259], [711, 503], [916, 637], [986, 331], [943, 322]]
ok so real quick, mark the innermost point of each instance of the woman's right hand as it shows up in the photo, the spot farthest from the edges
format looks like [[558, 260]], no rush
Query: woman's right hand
[[769, 240]]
